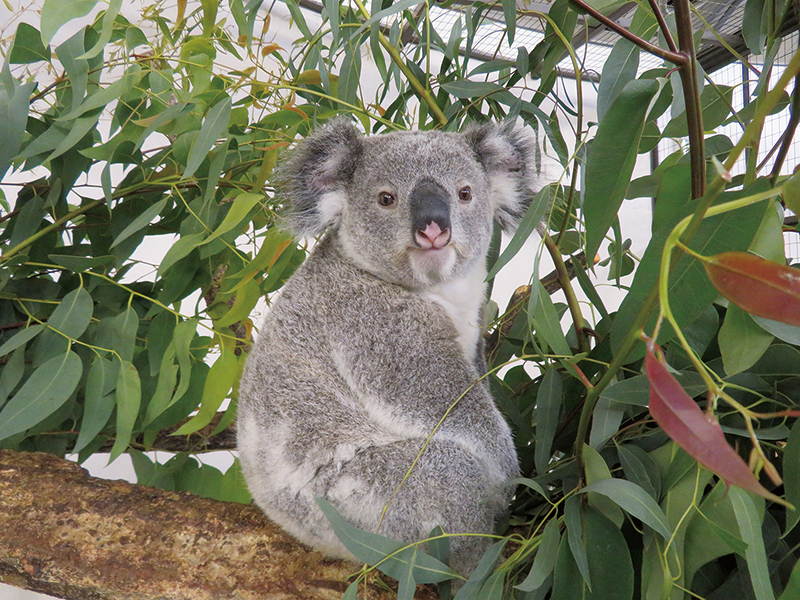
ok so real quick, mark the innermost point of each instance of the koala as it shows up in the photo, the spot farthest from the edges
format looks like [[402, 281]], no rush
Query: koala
[[379, 333]]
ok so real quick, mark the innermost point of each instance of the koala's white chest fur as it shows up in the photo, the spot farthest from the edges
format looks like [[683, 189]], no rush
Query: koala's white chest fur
[[462, 299]]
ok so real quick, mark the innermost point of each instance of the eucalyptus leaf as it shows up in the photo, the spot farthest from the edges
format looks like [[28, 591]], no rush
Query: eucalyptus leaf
[[389, 556], [750, 528], [611, 159], [129, 397], [545, 560], [215, 124], [44, 392]]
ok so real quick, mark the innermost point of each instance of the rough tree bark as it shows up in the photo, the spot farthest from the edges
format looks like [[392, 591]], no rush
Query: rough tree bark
[[73, 536]]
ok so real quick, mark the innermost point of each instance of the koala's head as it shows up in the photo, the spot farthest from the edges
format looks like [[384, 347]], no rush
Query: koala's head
[[414, 208]]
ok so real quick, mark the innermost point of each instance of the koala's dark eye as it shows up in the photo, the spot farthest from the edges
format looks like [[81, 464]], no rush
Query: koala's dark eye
[[465, 194], [386, 199]]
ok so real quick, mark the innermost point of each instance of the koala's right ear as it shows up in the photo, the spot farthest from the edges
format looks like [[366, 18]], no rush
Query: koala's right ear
[[313, 177]]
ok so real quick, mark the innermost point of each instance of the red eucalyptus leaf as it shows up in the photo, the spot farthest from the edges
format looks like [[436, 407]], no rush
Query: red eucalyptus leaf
[[761, 287], [695, 431]]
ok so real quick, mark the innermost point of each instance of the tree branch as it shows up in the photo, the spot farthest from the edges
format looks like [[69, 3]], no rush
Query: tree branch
[[77, 537], [676, 58]]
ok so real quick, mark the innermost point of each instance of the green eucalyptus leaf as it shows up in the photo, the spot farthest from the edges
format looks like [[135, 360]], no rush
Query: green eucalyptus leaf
[[214, 126], [792, 589], [389, 556], [486, 566], [526, 227], [750, 527], [690, 291], [607, 558], [56, 13], [635, 501], [45, 391], [596, 471], [20, 338], [109, 16], [548, 407], [12, 374], [221, 378], [99, 402], [465, 88], [140, 222], [741, 341], [28, 46], [241, 207], [574, 515], [791, 475], [640, 469], [545, 560], [619, 69], [611, 159], [129, 397], [14, 105]]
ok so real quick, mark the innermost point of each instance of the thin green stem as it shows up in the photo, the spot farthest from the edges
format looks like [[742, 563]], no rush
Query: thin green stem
[[52, 227], [394, 53], [572, 300]]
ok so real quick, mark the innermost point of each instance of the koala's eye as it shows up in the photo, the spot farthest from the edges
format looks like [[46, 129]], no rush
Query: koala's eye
[[465, 194], [386, 199]]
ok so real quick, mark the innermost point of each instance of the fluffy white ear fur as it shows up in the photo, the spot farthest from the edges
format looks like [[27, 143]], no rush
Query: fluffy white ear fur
[[313, 177], [509, 153]]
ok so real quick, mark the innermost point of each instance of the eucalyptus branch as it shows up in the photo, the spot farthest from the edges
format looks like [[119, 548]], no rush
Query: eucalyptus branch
[[788, 133], [651, 301], [52, 227], [572, 300], [691, 95], [676, 58], [422, 90], [662, 23]]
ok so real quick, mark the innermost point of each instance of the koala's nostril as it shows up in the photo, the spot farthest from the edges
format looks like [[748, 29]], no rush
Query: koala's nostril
[[433, 236]]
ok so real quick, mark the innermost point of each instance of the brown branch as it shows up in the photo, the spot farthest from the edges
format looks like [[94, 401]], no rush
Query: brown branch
[[691, 97], [201, 440], [676, 58], [77, 537]]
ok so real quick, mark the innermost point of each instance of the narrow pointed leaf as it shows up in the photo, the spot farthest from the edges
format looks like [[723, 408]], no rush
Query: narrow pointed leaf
[[750, 527], [129, 398], [611, 159], [373, 548], [759, 286], [702, 437], [635, 501], [214, 126], [573, 517], [791, 475], [20, 338], [472, 589], [545, 559], [242, 205], [47, 389]]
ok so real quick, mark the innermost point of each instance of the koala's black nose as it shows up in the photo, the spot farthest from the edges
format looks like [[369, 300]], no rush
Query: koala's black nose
[[429, 206]]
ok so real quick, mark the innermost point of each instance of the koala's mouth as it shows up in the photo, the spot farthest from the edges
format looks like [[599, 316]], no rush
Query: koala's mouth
[[433, 264]]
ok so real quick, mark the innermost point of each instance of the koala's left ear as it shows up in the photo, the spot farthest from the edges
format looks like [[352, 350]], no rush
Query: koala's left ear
[[509, 152]]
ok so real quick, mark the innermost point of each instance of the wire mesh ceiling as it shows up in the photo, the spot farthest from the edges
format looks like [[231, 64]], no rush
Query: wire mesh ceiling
[[592, 41]]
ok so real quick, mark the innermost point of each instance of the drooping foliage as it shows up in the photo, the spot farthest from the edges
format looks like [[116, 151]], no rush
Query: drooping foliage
[[156, 136]]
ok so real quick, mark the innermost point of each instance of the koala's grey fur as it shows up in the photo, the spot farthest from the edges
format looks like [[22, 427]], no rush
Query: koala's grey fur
[[373, 338]]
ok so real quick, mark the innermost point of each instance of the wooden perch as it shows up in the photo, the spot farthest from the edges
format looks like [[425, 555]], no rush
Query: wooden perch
[[73, 536]]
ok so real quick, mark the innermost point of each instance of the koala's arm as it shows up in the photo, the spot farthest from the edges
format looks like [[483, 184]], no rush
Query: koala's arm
[[400, 357]]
